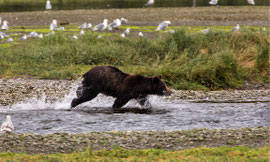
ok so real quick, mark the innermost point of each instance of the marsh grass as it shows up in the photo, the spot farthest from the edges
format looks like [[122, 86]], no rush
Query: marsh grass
[[186, 60], [239, 153]]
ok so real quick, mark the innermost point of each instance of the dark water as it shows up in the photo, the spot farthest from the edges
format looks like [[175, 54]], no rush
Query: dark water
[[34, 5], [38, 117]]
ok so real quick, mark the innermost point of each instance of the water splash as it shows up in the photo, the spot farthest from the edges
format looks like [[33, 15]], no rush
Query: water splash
[[63, 103]]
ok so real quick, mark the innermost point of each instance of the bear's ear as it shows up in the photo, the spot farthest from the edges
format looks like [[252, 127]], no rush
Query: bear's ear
[[156, 79], [159, 76]]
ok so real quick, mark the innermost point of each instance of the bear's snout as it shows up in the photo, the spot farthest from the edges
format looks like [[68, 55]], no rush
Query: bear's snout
[[167, 92]]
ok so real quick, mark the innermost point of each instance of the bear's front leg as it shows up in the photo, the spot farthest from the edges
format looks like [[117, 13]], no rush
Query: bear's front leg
[[143, 101], [87, 95], [120, 101]]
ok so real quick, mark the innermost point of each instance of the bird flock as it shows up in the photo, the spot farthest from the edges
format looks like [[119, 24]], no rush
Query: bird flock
[[114, 25]]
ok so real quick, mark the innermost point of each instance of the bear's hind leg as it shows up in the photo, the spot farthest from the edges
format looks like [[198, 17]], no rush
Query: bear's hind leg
[[87, 95], [119, 102]]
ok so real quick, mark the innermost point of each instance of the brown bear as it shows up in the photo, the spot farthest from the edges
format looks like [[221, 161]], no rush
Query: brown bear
[[111, 81]]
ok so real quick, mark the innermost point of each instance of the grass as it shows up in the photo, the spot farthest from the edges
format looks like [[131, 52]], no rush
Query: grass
[[185, 59], [240, 153]]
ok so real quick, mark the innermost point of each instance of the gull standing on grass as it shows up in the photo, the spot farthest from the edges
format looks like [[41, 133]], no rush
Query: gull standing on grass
[[127, 31], [205, 31], [83, 26], [23, 37], [10, 40], [89, 25], [5, 25], [48, 5], [7, 126], [115, 24], [251, 2], [150, 3], [235, 28], [101, 26], [170, 31], [213, 2], [53, 25], [163, 25], [140, 34]]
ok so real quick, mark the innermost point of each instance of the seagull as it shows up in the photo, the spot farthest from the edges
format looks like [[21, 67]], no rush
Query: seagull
[[170, 31], [150, 3], [101, 26], [48, 5], [7, 126], [10, 40], [140, 34], [263, 29], [83, 26], [99, 36], [23, 37], [40, 36], [75, 37], [251, 2], [127, 31], [4, 26], [53, 25], [3, 34], [61, 28], [205, 31], [115, 24], [124, 20], [89, 25], [81, 32], [33, 34], [123, 35], [163, 25], [2, 37], [235, 28], [213, 2]]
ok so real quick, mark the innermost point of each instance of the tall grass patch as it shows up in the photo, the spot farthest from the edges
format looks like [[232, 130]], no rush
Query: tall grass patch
[[185, 60]]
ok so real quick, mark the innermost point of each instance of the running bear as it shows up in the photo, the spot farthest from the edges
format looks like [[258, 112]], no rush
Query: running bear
[[111, 81]]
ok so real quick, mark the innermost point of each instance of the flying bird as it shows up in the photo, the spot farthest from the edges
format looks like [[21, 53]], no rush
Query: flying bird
[[101, 26], [251, 2], [235, 28], [48, 5], [150, 3], [163, 25], [7, 126]]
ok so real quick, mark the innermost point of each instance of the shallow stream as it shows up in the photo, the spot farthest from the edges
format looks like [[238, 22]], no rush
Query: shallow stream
[[39, 116]]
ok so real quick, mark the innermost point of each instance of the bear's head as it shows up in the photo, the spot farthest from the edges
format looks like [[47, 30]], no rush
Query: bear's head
[[161, 88]]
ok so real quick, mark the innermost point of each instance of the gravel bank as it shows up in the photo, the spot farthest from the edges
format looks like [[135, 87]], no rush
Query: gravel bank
[[169, 140], [17, 90]]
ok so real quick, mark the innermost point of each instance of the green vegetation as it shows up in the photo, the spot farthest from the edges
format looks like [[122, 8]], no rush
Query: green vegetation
[[240, 153], [186, 60]]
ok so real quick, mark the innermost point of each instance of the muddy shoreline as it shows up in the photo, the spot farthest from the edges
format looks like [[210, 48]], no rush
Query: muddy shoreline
[[169, 140], [182, 16]]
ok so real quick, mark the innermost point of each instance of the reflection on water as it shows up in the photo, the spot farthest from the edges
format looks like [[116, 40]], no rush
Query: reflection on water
[[34, 5]]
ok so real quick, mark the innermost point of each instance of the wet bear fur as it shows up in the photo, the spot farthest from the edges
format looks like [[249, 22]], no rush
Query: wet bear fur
[[111, 81]]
